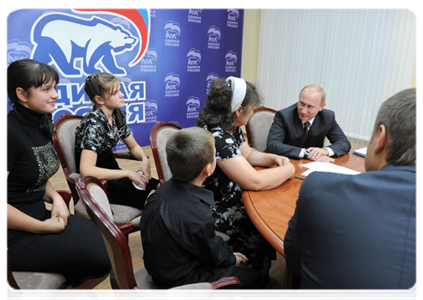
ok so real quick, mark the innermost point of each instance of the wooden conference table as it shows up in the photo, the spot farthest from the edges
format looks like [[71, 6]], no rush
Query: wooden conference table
[[271, 210]]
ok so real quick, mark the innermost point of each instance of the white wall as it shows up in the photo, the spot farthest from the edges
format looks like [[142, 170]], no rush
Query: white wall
[[360, 58]]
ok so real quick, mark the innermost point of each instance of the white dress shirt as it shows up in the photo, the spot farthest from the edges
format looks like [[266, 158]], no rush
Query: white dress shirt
[[302, 153]]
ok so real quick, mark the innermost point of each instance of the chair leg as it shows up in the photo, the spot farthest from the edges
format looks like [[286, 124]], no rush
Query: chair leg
[[113, 281]]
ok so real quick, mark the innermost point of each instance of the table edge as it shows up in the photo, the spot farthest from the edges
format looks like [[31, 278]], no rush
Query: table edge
[[261, 226]]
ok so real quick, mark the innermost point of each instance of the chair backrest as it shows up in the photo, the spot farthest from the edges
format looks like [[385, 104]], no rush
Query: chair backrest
[[92, 193], [160, 133], [64, 143], [258, 127], [64, 140]]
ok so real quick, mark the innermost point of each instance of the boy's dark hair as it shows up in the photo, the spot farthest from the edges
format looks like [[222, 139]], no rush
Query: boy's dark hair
[[188, 151]]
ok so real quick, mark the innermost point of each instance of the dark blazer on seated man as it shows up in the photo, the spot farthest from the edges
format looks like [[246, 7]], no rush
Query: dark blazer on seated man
[[286, 135], [359, 231]]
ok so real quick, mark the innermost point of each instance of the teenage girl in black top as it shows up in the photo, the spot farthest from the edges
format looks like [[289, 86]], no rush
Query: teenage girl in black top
[[97, 134], [41, 240]]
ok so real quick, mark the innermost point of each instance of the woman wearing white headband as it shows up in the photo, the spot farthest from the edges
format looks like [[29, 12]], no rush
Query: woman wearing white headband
[[229, 105]]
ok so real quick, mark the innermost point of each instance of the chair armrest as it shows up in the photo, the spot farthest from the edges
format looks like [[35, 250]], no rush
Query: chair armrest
[[74, 176], [66, 195], [11, 288]]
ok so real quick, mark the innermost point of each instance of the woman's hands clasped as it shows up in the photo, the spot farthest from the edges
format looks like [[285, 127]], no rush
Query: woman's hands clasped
[[281, 161], [59, 216]]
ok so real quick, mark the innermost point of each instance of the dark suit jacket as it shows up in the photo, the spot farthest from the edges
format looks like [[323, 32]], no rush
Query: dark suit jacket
[[287, 130], [355, 231]]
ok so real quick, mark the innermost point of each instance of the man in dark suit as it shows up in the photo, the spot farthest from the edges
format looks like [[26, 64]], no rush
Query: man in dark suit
[[299, 130], [359, 231]]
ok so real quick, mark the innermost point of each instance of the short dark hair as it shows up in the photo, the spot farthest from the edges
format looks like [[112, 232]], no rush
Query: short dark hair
[[188, 151], [398, 114], [217, 110], [28, 74]]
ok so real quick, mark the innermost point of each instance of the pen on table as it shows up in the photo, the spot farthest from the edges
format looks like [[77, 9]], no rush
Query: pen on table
[[299, 177]]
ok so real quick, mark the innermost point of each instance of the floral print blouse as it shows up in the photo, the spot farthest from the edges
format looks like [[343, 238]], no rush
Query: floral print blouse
[[229, 212], [96, 134]]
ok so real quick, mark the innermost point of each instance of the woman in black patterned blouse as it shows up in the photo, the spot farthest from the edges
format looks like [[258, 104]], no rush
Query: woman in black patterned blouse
[[41, 240], [229, 105], [96, 135]]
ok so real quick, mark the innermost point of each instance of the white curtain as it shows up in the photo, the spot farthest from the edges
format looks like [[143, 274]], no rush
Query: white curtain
[[359, 57]]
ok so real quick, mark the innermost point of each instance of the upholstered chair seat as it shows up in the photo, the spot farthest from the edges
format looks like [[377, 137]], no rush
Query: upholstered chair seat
[[36, 280]]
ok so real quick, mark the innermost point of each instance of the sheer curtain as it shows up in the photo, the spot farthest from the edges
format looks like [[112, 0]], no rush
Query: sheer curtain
[[360, 58]]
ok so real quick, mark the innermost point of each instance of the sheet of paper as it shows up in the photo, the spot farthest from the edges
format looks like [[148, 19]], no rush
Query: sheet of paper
[[327, 167], [361, 151]]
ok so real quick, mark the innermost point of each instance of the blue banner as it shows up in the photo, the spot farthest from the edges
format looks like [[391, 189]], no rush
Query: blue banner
[[165, 59]]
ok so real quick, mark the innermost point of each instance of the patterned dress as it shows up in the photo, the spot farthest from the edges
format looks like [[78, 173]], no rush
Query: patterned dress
[[230, 214]]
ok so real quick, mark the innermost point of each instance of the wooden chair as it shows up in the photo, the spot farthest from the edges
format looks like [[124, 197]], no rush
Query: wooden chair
[[38, 280], [93, 193], [258, 127], [127, 218], [160, 133]]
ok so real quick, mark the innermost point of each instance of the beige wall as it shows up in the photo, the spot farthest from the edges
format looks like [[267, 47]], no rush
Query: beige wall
[[250, 44]]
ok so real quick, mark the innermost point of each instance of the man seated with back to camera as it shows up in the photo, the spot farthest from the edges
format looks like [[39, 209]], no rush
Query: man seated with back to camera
[[359, 231], [177, 225], [299, 130]]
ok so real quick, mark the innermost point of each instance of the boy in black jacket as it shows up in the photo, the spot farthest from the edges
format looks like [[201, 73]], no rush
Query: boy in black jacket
[[177, 225]]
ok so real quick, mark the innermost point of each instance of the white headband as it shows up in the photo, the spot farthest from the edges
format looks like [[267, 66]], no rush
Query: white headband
[[239, 89]]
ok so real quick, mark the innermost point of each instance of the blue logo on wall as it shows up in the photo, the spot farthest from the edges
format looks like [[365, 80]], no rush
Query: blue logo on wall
[[77, 46], [164, 78], [81, 46]]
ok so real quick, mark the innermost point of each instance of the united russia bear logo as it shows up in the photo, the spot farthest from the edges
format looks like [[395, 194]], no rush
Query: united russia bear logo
[[79, 46]]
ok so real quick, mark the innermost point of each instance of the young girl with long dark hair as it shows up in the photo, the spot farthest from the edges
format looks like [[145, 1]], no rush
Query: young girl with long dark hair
[[41, 240], [97, 134]]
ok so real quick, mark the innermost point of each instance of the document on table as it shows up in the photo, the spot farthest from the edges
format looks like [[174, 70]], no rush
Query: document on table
[[327, 167], [361, 151]]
